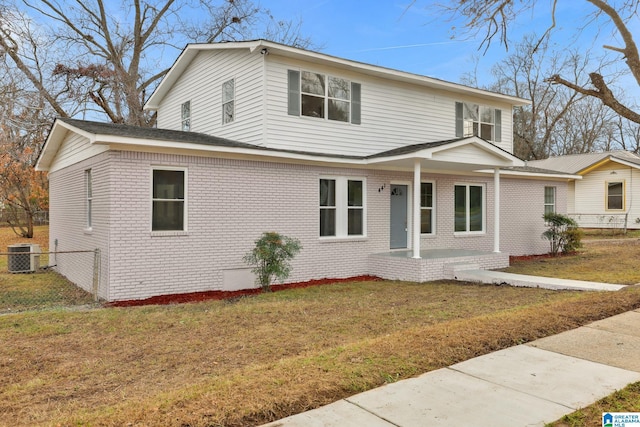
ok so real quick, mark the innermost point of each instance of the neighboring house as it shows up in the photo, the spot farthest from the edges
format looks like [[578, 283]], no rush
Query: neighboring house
[[604, 197], [367, 166]]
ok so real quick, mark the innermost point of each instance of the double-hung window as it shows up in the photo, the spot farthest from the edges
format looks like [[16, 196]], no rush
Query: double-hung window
[[427, 218], [469, 208], [88, 184], [186, 116], [342, 207], [169, 199], [478, 120], [228, 101], [323, 96], [615, 195], [549, 200]]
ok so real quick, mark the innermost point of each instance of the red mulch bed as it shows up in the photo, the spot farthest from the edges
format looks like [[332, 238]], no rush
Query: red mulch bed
[[221, 295]]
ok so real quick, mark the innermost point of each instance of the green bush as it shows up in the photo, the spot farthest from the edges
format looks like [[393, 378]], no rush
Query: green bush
[[270, 257], [563, 233]]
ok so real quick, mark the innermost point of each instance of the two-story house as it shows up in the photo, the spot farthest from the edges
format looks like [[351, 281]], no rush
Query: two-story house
[[376, 171]]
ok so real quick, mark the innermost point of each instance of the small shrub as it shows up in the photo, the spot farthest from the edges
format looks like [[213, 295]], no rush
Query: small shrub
[[270, 257], [563, 233]]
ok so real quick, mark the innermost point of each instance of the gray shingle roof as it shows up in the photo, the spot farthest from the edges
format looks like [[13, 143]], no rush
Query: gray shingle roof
[[155, 134]]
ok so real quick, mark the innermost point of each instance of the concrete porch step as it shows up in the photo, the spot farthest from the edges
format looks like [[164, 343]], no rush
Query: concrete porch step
[[451, 270]]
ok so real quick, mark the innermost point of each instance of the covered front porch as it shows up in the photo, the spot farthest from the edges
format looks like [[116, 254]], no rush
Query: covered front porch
[[433, 264], [465, 159]]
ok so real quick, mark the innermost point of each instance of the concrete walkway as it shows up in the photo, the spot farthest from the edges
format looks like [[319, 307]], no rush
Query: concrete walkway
[[525, 385], [470, 273]]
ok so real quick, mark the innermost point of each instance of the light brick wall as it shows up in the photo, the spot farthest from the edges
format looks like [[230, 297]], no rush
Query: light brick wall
[[522, 203], [231, 202], [68, 222]]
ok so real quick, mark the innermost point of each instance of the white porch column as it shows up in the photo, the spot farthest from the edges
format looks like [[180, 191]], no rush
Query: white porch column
[[496, 210], [416, 209]]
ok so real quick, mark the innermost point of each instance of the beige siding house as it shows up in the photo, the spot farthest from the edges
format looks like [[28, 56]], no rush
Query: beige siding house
[[607, 195], [376, 171]]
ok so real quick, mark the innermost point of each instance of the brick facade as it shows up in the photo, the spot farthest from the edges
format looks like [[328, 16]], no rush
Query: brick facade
[[231, 202]]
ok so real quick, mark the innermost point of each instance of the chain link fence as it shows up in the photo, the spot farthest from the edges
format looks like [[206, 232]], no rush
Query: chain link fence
[[31, 280]]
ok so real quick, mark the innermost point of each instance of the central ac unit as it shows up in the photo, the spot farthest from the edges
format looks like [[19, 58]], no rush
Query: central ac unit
[[24, 258]]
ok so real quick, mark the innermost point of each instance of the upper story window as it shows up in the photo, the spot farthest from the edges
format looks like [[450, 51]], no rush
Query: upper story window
[[323, 96], [478, 120], [228, 101], [186, 116], [168, 200], [615, 195]]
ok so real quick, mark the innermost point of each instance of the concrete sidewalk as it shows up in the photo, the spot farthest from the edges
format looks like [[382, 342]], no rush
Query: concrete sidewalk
[[525, 385]]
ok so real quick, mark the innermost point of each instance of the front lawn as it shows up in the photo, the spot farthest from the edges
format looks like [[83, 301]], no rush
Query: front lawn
[[261, 358], [255, 359]]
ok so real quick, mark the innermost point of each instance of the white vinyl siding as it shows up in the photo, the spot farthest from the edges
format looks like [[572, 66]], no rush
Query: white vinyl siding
[[588, 197], [201, 82], [393, 114], [74, 149]]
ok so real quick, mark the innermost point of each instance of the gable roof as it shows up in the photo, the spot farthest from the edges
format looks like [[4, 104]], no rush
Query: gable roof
[[192, 50], [583, 163]]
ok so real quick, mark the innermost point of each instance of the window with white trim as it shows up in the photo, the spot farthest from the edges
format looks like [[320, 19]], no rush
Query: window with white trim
[[427, 211], [342, 207], [168, 199], [549, 200], [478, 120], [469, 208], [185, 110], [228, 101], [615, 195], [88, 184], [323, 96]]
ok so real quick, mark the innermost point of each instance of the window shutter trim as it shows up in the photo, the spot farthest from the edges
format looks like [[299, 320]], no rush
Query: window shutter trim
[[355, 103], [498, 130], [294, 92], [459, 122]]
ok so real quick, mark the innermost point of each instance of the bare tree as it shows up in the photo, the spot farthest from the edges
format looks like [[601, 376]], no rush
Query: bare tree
[[559, 120], [492, 19], [24, 122], [108, 55]]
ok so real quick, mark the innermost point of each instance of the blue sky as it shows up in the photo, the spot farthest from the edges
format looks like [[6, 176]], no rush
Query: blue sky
[[419, 39]]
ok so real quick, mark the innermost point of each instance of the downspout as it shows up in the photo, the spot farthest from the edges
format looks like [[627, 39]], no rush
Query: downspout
[[416, 209], [496, 210]]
